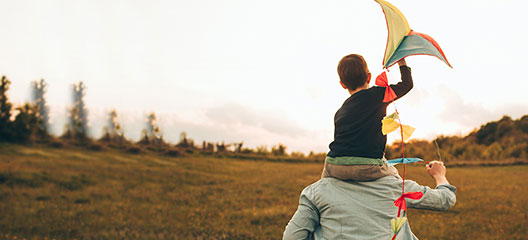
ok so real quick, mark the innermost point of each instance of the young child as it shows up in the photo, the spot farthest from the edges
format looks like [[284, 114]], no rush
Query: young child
[[357, 152]]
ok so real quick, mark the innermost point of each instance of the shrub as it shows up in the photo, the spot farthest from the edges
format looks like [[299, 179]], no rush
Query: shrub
[[174, 152], [56, 144], [82, 201], [135, 150], [43, 198], [96, 147]]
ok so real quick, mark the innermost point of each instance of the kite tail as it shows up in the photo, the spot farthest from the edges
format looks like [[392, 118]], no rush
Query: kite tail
[[403, 156]]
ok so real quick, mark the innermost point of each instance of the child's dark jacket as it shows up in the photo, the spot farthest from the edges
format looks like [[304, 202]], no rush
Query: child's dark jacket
[[358, 122]]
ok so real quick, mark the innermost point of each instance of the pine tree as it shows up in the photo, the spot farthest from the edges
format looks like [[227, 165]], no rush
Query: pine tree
[[78, 114], [151, 134], [185, 142], [5, 111], [39, 89], [112, 131]]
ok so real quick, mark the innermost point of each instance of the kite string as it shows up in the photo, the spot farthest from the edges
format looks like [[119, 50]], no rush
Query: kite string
[[403, 155], [438, 151]]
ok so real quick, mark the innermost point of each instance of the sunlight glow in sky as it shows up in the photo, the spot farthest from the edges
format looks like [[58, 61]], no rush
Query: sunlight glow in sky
[[261, 72]]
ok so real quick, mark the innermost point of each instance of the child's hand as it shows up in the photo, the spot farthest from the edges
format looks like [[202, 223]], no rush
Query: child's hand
[[402, 62]]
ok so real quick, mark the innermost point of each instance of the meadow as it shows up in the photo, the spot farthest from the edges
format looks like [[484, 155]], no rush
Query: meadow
[[74, 193]]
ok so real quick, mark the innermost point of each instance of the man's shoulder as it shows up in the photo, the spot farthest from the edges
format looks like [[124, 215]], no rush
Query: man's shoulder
[[330, 182], [318, 186], [334, 191]]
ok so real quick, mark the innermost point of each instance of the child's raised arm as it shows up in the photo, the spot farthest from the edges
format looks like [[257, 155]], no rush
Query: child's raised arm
[[402, 62], [406, 83]]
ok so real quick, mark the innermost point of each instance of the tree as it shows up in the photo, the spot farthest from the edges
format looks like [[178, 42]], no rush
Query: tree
[[238, 147], [25, 124], [186, 142], [183, 140], [151, 134], [523, 124], [38, 90], [208, 146], [278, 150], [222, 147], [112, 132], [5, 111], [262, 149], [78, 114]]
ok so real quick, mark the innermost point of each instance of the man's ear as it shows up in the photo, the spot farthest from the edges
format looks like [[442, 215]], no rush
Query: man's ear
[[343, 85], [368, 78]]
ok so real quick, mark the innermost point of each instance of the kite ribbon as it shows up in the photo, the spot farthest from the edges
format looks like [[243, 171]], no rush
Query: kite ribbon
[[400, 202], [381, 80]]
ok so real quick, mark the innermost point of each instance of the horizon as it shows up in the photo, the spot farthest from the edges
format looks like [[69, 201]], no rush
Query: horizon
[[132, 129], [260, 73]]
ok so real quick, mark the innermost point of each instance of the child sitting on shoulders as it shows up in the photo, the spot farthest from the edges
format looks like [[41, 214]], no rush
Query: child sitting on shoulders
[[357, 152]]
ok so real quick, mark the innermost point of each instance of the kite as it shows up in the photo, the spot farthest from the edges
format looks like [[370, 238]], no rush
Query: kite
[[397, 223], [393, 162], [381, 80], [402, 41], [400, 202], [389, 124]]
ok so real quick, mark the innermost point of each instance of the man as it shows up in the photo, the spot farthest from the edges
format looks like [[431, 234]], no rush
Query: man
[[334, 209]]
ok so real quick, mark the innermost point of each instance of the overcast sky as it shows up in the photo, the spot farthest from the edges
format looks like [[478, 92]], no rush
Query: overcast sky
[[261, 72]]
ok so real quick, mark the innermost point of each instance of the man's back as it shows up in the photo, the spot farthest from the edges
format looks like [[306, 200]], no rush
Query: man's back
[[335, 209]]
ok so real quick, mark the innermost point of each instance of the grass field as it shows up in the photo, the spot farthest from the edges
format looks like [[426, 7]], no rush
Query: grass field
[[81, 194]]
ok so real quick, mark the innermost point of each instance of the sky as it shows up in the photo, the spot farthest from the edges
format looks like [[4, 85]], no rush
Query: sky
[[260, 72]]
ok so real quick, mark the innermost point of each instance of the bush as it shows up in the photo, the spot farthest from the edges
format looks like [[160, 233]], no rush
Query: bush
[[56, 144], [43, 198], [135, 150], [72, 183], [174, 152], [96, 147], [82, 201], [27, 180]]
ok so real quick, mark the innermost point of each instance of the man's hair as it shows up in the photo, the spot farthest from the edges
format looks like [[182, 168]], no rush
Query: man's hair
[[353, 71]]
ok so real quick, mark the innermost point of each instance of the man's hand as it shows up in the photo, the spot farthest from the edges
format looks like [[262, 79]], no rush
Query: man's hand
[[437, 170]]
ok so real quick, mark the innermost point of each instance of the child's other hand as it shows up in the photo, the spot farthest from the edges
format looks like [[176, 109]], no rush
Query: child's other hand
[[402, 62]]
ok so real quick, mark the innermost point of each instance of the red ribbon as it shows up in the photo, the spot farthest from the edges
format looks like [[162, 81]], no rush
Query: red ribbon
[[381, 80], [400, 202]]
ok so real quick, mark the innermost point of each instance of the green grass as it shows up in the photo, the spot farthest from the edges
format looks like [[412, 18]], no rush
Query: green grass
[[80, 194]]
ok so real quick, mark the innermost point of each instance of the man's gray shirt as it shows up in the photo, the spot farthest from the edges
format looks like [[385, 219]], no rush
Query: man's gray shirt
[[334, 209]]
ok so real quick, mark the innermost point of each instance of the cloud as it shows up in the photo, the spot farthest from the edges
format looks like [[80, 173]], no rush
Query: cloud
[[470, 114], [234, 115], [230, 122]]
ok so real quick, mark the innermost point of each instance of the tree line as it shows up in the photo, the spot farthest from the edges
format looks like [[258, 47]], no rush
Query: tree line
[[29, 123], [505, 140], [502, 140]]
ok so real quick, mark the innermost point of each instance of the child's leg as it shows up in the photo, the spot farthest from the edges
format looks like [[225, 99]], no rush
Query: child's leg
[[358, 172], [389, 170]]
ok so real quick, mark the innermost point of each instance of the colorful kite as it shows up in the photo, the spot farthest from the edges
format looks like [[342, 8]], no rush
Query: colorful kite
[[397, 223], [393, 162], [402, 41], [389, 124], [382, 81]]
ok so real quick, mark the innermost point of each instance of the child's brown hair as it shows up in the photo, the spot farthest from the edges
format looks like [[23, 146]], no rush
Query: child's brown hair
[[353, 71]]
